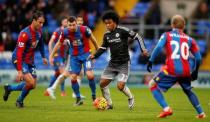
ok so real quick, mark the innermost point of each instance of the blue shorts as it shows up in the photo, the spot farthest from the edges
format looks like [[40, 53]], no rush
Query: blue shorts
[[58, 62], [27, 68], [76, 63], [165, 81]]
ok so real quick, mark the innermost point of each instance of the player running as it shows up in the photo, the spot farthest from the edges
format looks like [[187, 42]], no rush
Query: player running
[[29, 39], [61, 78], [60, 57], [116, 38], [79, 49], [178, 47]]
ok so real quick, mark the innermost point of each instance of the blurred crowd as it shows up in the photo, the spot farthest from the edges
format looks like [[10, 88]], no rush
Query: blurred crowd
[[15, 15]]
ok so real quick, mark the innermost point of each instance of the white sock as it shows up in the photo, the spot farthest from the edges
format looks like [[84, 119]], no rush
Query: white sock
[[166, 108], [106, 94], [60, 79], [127, 92]]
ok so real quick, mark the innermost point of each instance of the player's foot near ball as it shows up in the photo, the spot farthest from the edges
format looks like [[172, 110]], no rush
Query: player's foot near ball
[[6, 92], [164, 114], [201, 116], [109, 107]]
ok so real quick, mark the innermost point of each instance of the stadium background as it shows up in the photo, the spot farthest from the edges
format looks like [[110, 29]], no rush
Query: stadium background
[[149, 17]]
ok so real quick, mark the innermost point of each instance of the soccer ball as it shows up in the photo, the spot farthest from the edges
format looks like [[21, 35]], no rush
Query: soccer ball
[[100, 103]]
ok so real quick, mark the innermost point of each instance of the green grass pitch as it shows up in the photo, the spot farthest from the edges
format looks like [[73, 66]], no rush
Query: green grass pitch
[[39, 108]]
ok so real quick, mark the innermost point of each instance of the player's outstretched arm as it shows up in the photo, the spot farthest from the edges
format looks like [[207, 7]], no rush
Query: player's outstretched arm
[[55, 49], [93, 40], [161, 43], [196, 53]]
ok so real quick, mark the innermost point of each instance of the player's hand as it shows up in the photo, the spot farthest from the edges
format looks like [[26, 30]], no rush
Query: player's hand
[[44, 60], [149, 66], [51, 59], [194, 75], [91, 57], [145, 53], [19, 76]]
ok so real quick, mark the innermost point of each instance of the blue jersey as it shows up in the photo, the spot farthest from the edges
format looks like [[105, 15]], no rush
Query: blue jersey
[[178, 47], [62, 51], [79, 40], [27, 42]]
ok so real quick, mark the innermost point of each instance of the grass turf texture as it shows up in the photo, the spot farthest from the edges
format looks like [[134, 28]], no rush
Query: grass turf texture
[[39, 108]]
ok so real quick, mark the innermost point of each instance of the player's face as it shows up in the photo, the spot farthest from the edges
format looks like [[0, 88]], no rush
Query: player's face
[[38, 23], [72, 26], [110, 24], [64, 23], [80, 21]]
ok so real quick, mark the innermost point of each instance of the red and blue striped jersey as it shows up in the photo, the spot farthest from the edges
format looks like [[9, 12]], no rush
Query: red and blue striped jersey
[[79, 40], [178, 48], [55, 36], [27, 42]]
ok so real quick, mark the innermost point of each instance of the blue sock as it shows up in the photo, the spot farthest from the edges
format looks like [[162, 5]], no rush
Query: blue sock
[[17, 87], [23, 94], [53, 78], [63, 86], [92, 87], [194, 101], [75, 87], [159, 97]]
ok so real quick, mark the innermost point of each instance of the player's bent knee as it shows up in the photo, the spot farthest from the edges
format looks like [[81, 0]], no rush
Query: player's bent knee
[[152, 85], [120, 86], [103, 83]]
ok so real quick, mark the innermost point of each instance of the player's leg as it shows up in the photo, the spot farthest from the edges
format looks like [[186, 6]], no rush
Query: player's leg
[[9, 88], [79, 79], [159, 83], [90, 76], [61, 70], [186, 86], [92, 84], [122, 77], [30, 84], [75, 68], [59, 80], [104, 86]]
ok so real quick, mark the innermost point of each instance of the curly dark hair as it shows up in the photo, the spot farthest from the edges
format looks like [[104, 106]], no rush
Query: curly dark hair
[[110, 14]]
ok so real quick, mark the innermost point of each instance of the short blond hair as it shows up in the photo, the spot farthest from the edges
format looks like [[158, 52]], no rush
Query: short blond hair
[[177, 21]]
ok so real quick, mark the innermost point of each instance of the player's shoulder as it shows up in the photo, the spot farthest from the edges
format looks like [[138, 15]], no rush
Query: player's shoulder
[[122, 28], [107, 33]]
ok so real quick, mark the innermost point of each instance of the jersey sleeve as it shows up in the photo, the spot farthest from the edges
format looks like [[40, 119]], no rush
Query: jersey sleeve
[[41, 47], [195, 51], [103, 47], [88, 32], [194, 47], [135, 36], [55, 36], [161, 43], [62, 36], [21, 44]]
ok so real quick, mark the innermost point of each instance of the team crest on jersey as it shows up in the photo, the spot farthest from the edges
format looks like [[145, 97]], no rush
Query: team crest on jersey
[[117, 35], [34, 44], [20, 44], [77, 42]]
